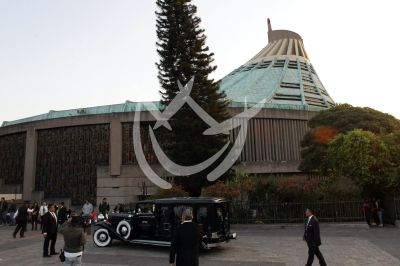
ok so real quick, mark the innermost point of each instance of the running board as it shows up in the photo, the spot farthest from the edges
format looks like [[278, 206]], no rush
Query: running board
[[150, 242]]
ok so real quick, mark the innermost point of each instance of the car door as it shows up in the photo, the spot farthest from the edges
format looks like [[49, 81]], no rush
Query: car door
[[201, 216], [146, 221], [164, 213]]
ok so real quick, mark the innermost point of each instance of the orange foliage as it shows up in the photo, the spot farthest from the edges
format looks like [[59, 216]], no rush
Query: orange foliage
[[324, 134]]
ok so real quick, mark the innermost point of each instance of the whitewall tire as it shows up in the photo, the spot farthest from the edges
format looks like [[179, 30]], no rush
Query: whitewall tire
[[102, 238], [124, 229]]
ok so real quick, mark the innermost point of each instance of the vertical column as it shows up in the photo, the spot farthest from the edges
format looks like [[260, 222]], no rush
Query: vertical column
[[30, 163], [116, 147]]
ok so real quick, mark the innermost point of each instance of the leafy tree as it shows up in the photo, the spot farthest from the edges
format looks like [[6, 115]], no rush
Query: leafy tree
[[339, 119], [183, 55], [364, 157], [392, 140]]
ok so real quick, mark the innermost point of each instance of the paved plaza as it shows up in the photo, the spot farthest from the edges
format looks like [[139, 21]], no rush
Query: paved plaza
[[256, 245]]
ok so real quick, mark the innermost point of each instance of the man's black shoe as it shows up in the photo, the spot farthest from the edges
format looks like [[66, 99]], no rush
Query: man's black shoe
[[46, 256], [55, 253]]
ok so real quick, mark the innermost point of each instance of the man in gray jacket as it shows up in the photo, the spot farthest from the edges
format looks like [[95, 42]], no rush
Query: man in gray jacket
[[74, 240]]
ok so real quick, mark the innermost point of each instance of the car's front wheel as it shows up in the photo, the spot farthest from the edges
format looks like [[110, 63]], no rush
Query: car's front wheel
[[102, 238]]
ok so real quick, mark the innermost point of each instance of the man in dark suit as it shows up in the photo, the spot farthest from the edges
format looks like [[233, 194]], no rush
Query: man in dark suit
[[313, 238], [185, 243], [3, 211], [21, 219], [62, 214], [49, 231]]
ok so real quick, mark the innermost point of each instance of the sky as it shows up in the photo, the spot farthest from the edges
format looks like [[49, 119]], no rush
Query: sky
[[59, 55]]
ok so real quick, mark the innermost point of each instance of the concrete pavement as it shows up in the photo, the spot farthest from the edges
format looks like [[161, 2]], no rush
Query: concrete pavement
[[256, 245]]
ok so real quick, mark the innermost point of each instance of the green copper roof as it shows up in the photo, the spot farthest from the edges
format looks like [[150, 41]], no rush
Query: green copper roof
[[106, 109], [131, 107], [279, 75], [277, 81]]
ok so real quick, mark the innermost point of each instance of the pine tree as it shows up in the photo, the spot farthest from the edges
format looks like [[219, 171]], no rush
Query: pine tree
[[183, 54]]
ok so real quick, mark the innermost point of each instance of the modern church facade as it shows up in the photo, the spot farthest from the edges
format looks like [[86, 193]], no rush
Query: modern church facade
[[88, 153]]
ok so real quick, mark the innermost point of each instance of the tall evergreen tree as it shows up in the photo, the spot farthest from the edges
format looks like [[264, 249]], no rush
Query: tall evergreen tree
[[183, 55]]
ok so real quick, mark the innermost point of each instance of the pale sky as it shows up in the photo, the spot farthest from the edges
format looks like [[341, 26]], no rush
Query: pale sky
[[57, 55]]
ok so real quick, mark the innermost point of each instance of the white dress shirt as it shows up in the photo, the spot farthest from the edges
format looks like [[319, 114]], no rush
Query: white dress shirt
[[309, 219], [42, 210]]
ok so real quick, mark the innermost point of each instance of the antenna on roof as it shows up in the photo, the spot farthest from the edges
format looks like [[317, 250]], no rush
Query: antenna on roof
[[269, 25]]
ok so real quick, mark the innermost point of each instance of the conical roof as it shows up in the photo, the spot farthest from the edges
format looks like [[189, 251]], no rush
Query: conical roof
[[279, 76]]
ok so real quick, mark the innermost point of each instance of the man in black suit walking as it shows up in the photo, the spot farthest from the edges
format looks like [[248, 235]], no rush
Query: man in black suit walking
[[49, 231], [22, 220], [185, 243], [313, 238]]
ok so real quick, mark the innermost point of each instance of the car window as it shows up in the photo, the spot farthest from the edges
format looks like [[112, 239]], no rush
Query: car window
[[220, 214], [146, 208], [178, 210], [165, 213], [202, 215]]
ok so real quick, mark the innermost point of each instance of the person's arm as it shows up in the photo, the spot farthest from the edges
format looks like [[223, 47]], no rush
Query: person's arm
[[45, 224], [316, 231], [83, 239]]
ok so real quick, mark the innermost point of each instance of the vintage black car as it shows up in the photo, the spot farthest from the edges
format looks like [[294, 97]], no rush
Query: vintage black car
[[153, 222]]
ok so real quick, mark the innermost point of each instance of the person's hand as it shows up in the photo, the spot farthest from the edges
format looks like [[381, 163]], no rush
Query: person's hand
[[44, 234], [69, 220]]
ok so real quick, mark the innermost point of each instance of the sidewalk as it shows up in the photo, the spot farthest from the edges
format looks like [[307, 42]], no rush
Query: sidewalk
[[361, 225], [256, 245]]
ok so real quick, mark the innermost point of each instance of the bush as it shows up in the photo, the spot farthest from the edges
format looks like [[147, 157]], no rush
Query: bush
[[220, 189], [301, 189], [236, 188]]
